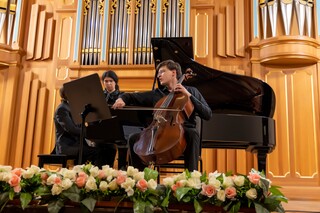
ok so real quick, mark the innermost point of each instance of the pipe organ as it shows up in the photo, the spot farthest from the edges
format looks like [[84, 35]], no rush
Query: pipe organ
[[131, 24], [92, 12], [301, 9], [7, 17]]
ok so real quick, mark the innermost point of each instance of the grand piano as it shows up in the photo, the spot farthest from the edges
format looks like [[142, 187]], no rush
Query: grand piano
[[242, 106]]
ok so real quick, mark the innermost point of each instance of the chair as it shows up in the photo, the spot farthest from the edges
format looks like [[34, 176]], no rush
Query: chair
[[56, 159], [177, 165]]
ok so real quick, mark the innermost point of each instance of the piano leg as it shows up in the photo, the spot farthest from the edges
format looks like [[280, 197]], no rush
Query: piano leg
[[122, 157], [262, 159]]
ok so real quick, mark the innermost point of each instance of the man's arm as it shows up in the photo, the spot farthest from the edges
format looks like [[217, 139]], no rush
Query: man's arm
[[65, 120], [201, 106]]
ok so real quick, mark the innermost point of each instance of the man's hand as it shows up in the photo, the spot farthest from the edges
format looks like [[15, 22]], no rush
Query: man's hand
[[118, 104], [182, 89]]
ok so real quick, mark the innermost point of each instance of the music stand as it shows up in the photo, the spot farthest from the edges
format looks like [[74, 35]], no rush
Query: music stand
[[87, 103]]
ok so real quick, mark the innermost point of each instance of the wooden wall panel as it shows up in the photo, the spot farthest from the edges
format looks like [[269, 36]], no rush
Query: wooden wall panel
[[239, 28], [32, 31], [221, 35], [277, 79], [30, 124], [303, 123], [3, 77], [17, 158], [201, 38], [65, 38], [230, 31], [48, 39], [40, 35], [38, 139]]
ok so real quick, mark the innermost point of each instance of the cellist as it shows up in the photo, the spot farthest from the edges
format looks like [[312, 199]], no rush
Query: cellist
[[168, 74]]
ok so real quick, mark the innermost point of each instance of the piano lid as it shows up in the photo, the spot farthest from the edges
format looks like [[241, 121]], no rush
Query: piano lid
[[224, 92]]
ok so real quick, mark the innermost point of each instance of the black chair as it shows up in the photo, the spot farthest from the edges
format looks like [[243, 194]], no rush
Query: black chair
[[177, 166], [55, 159]]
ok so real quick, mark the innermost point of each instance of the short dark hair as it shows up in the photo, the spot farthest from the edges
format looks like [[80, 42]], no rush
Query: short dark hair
[[171, 65], [63, 94]]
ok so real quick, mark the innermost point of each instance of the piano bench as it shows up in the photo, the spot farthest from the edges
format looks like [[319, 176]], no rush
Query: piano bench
[[56, 159]]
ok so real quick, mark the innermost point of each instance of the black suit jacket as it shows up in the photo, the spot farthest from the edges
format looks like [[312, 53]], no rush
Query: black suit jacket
[[67, 132]]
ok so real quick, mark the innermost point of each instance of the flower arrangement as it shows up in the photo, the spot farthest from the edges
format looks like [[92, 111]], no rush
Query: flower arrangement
[[87, 184]]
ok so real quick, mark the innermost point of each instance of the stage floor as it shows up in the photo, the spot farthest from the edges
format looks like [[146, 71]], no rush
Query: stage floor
[[297, 206]]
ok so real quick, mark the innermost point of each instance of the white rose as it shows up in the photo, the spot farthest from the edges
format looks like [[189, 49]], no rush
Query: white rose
[[78, 168], [109, 178], [51, 179], [56, 189], [181, 176], [214, 182], [6, 176], [194, 183], [138, 176], [115, 173], [34, 169], [130, 192], [103, 185], [94, 171], [239, 180], [131, 171], [66, 184], [168, 181], [27, 174], [107, 170], [91, 184], [70, 174], [214, 174], [5, 168], [152, 184], [129, 183], [196, 174], [221, 195], [227, 181], [113, 185], [251, 193]]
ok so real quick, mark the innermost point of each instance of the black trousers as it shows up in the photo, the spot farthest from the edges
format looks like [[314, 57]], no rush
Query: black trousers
[[191, 153]]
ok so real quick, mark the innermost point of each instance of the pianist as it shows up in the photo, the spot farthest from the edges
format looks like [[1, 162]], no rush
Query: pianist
[[168, 74], [68, 133]]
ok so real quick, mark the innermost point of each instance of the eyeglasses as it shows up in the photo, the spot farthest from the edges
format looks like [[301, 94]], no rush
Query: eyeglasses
[[162, 71]]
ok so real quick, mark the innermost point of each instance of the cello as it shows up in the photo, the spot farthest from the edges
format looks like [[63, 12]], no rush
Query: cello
[[163, 140]]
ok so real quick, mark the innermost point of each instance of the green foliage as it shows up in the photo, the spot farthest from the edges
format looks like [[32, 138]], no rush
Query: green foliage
[[87, 184]]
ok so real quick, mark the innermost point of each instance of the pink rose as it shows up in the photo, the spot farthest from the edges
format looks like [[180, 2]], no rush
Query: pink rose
[[81, 181], [208, 190], [101, 174], [57, 180], [14, 180], [230, 192], [17, 171], [178, 184], [174, 187], [142, 185], [44, 176], [17, 189], [82, 174], [121, 179], [254, 177]]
